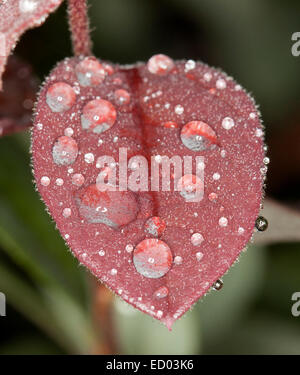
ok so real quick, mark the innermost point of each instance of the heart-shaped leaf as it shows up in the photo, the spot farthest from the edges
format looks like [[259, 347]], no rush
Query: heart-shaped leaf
[[163, 247], [17, 16]]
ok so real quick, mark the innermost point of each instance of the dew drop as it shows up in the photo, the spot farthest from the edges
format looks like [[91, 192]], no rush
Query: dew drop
[[45, 181], [60, 97], [129, 248], [160, 64], [179, 109], [27, 6], [199, 256], [122, 97], [178, 260], [65, 151], [90, 72], [197, 239], [98, 116], [67, 212], [78, 179], [161, 292], [223, 221], [89, 158], [198, 136], [112, 208], [261, 224], [101, 253], [155, 226], [154, 249], [191, 188], [59, 181], [69, 132], [207, 77], [218, 285], [190, 65], [227, 123], [113, 271], [221, 84], [170, 124]]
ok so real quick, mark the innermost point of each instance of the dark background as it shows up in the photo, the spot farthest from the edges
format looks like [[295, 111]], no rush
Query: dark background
[[48, 295]]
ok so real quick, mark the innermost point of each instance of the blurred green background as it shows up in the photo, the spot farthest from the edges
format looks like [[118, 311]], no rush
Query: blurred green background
[[48, 294]]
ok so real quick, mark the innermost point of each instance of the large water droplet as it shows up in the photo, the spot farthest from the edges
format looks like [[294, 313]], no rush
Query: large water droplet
[[60, 97], [98, 116], [65, 151], [152, 258], [160, 64], [155, 226], [90, 72], [198, 136], [112, 208]]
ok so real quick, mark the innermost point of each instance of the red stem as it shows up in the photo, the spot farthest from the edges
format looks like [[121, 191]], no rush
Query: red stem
[[79, 26]]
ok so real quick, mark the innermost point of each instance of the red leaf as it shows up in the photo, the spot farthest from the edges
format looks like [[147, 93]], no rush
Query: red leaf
[[18, 97], [16, 17], [158, 250]]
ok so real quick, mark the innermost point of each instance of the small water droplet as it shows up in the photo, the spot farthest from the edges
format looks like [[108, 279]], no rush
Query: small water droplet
[[227, 123], [78, 179], [212, 196], [197, 239], [198, 136], [221, 84], [191, 188], [207, 77], [178, 260], [60, 97], [69, 132], [261, 224], [59, 181], [67, 212], [154, 249], [218, 285], [129, 248], [122, 97], [216, 176], [190, 65], [65, 151], [89, 158], [113, 271], [241, 230], [98, 116], [155, 226], [101, 253], [45, 181], [179, 109], [161, 292], [223, 221], [27, 6], [199, 256], [160, 64]]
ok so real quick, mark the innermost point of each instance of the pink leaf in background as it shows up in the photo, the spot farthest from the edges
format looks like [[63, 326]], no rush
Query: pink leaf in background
[[20, 87], [16, 17], [158, 250]]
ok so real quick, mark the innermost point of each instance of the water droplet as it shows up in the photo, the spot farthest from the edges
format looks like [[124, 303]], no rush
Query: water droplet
[[60, 97], [27, 6], [259, 133], [207, 77], [161, 292], [69, 132], [160, 64], [199, 256], [170, 124], [198, 136], [155, 226], [197, 239], [154, 249], [89, 158], [261, 224], [59, 182], [241, 230], [67, 212], [179, 109], [78, 179], [65, 151], [216, 176], [190, 65], [218, 285], [191, 188], [113, 271], [112, 208], [227, 123], [252, 115], [266, 160], [221, 84], [98, 116], [101, 253], [90, 72], [129, 248], [122, 97], [39, 126], [223, 221], [178, 260], [212, 196], [45, 181], [159, 314]]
